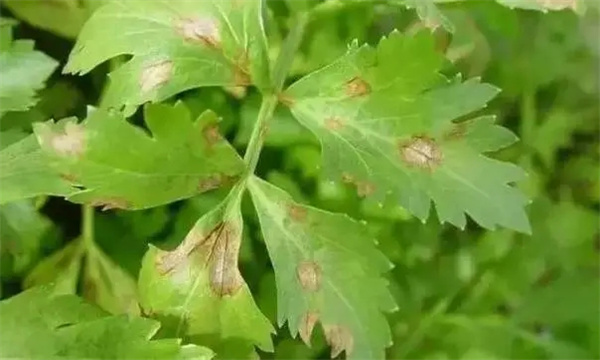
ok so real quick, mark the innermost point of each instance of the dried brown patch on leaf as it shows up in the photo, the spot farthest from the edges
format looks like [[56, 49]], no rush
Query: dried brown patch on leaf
[[241, 77], [71, 142], [212, 135], [167, 261], [241, 72], [110, 203], [421, 152], [309, 274], [307, 325], [340, 339], [224, 275], [296, 212], [357, 87], [155, 75], [203, 30], [347, 178], [68, 177], [363, 188], [334, 123], [558, 4]]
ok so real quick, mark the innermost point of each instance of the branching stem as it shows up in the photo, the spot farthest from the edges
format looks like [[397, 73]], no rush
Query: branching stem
[[270, 99]]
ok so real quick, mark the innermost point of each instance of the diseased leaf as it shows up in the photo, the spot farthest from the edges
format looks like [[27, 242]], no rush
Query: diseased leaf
[[117, 165], [324, 263], [385, 116], [24, 172], [197, 291], [176, 45], [22, 69], [48, 326]]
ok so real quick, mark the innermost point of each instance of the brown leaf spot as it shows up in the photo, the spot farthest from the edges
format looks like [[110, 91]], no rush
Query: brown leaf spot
[[421, 152], [155, 75], [225, 277], [357, 87], [70, 143], [211, 135], [340, 339], [204, 30], [558, 4], [167, 261], [111, 203], [347, 178], [241, 77], [334, 123], [364, 188], [68, 177], [297, 212], [309, 274], [241, 72], [307, 325]]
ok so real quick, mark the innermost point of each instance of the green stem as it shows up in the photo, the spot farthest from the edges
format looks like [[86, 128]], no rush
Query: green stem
[[257, 139], [269, 101], [87, 227], [418, 333]]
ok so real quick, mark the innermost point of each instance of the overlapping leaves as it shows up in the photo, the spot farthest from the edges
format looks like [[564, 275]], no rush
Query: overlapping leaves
[[323, 263], [385, 116], [176, 45], [48, 326], [116, 165]]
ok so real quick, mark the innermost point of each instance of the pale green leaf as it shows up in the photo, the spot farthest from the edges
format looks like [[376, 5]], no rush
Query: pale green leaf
[[23, 230], [24, 172], [433, 17], [23, 71], [197, 291], [60, 270], [103, 282], [385, 116], [327, 270], [176, 45], [107, 284], [44, 325], [554, 134], [117, 165], [63, 17]]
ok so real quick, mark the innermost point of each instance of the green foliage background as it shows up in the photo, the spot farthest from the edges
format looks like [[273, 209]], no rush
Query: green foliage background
[[460, 294]]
